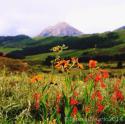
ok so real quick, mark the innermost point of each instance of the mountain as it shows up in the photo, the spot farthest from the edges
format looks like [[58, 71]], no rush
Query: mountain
[[60, 29], [121, 28]]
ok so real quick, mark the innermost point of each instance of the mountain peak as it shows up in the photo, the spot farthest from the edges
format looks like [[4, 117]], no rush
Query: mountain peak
[[62, 24], [60, 29]]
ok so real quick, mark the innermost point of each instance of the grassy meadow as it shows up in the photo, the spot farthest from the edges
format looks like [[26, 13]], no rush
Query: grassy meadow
[[67, 92]]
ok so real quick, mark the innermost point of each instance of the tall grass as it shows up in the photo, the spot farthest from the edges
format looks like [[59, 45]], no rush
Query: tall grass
[[63, 99]]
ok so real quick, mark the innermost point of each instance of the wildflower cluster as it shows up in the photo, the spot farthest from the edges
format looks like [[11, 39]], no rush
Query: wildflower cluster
[[92, 98], [66, 65]]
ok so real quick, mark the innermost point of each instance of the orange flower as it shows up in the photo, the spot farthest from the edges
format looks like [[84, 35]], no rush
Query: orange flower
[[92, 63], [62, 63], [87, 109], [117, 84], [37, 100], [80, 65], [103, 85], [74, 60], [36, 78], [58, 98], [75, 93]]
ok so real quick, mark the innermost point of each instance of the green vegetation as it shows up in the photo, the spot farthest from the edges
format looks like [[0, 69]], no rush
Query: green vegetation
[[108, 45], [56, 98]]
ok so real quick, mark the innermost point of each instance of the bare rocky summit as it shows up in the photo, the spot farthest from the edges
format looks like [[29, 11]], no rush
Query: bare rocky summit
[[60, 29]]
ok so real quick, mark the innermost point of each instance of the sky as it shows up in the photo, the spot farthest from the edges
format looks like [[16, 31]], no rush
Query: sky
[[30, 17]]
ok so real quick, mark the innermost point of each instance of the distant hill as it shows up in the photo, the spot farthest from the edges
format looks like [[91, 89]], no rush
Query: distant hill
[[60, 29], [104, 46], [121, 28], [13, 41]]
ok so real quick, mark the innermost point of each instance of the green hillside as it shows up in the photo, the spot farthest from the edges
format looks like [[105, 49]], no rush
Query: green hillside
[[108, 44]]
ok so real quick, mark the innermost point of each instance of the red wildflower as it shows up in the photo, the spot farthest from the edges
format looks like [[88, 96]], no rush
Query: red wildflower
[[117, 95], [86, 79], [98, 122], [100, 107], [37, 100], [98, 78], [103, 85], [105, 73], [99, 95], [89, 76], [37, 96], [58, 109], [58, 98], [117, 84], [74, 111], [73, 101], [92, 63], [93, 96]]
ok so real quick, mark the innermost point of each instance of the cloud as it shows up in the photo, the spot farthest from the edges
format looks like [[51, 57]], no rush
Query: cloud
[[32, 16]]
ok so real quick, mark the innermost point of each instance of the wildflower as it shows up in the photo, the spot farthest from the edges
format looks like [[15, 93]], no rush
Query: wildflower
[[105, 73], [75, 93], [98, 122], [36, 78], [87, 109], [58, 109], [74, 111], [80, 65], [37, 100], [100, 107], [117, 84], [74, 60], [62, 64], [98, 78], [117, 95], [56, 49], [58, 97], [86, 79], [93, 96], [92, 63], [73, 101], [89, 76], [103, 85], [99, 95]]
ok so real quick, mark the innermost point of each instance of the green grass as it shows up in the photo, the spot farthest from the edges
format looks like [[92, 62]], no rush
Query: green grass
[[18, 103], [8, 49]]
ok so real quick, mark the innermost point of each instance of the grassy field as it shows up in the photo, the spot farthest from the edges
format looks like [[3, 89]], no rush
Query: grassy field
[[70, 94]]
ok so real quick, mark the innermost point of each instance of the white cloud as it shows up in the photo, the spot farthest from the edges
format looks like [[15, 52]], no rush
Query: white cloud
[[31, 16]]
